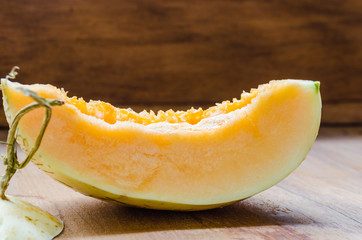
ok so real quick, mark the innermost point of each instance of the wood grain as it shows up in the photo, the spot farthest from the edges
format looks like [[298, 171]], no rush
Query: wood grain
[[182, 52], [321, 200]]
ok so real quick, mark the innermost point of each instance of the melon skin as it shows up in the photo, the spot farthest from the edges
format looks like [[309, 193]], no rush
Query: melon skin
[[179, 166]]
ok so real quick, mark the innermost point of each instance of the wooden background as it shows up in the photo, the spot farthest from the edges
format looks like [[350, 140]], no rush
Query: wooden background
[[158, 54]]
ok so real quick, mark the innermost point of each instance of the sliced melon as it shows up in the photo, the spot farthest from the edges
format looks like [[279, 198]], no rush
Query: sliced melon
[[185, 160], [21, 220]]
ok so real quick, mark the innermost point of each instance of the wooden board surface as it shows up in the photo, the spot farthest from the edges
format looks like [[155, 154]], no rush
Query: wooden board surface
[[321, 200], [176, 53]]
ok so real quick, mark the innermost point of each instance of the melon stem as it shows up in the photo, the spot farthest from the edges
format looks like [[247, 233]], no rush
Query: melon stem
[[11, 159]]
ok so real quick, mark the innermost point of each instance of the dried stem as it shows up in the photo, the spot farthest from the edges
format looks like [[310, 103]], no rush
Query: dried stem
[[11, 159]]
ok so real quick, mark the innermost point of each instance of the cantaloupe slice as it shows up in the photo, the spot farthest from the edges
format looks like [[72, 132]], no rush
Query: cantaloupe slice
[[21, 220], [192, 160]]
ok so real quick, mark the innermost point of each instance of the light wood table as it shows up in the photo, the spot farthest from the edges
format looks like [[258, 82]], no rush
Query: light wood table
[[322, 199]]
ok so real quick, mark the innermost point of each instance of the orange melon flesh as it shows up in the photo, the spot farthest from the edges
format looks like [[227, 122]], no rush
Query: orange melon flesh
[[192, 160]]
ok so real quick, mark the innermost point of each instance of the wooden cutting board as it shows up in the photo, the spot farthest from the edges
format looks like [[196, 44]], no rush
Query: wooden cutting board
[[322, 199]]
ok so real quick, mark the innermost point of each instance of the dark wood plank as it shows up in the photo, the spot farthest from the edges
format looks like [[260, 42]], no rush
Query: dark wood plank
[[184, 52], [342, 113], [322, 199]]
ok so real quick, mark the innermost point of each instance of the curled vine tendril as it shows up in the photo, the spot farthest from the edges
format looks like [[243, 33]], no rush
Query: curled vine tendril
[[12, 74], [11, 158]]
